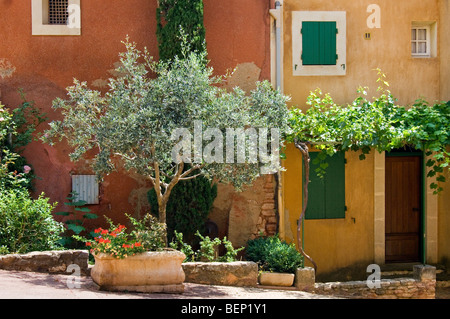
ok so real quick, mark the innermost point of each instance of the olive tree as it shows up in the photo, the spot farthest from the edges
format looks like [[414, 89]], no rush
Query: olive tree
[[159, 116]]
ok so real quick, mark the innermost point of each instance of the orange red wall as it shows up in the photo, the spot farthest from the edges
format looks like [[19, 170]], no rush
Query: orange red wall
[[237, 32]]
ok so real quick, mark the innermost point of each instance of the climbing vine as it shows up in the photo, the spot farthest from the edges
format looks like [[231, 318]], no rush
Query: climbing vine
[[174, 16], [364, 125], [377, 124]]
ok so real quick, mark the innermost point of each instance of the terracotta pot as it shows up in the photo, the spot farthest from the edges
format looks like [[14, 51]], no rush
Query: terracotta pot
[[159, 271]]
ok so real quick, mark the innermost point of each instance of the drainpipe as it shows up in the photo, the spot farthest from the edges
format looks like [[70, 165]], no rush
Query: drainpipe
[[276, 14]]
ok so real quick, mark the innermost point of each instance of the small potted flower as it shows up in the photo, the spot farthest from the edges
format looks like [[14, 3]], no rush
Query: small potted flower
[[136, 260]]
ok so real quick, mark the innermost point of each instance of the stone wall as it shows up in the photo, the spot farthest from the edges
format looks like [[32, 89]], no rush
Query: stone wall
[[267, 221], [252, 212], [421, 286], [55, 261]]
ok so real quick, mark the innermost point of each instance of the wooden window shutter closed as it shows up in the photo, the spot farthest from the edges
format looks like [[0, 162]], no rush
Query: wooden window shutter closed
[[326, 196], [319, 42]]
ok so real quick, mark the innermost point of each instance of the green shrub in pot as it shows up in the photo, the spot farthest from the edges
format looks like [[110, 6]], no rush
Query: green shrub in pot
[[274, 255]]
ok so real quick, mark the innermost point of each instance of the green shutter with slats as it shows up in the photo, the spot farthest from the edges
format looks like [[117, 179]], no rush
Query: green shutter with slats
[[316, 194], [319, 42], [326, 196]]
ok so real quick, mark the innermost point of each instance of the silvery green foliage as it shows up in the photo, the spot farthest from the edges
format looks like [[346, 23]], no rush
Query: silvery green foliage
[[133, 122]]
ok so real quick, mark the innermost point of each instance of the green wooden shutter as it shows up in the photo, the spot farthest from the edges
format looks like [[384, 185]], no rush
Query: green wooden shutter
[[335, 187], [326, 196], [310, 43], [328, 43], [319, 42], [316, 193]]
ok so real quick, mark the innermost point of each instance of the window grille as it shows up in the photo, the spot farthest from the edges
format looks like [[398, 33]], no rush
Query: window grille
[[57, 11]]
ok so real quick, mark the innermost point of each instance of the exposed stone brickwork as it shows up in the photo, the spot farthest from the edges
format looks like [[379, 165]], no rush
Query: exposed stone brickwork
[[422, 286], [268, 221]]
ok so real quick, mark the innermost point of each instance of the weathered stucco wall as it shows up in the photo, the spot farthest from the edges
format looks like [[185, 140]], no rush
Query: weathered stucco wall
[[339, 243], [237, 35], [334, 243], [444, 198], [444, 49], [389, 49]]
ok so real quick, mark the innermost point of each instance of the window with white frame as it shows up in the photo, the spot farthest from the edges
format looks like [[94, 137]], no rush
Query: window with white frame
[[318, 43], [56, 17], [424, 39], [420, 41]]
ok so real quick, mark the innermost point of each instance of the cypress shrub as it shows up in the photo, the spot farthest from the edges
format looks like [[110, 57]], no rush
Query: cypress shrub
[[188, 207], [172, 16]]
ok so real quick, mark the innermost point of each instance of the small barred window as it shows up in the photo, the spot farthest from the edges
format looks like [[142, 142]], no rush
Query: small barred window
[[56, 17], [57, 11]]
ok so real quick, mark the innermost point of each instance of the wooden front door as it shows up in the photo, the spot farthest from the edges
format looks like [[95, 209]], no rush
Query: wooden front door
[[403, 208]]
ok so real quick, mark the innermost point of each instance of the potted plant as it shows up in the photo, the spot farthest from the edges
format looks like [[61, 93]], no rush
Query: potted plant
[[277, 260], [136, 260]]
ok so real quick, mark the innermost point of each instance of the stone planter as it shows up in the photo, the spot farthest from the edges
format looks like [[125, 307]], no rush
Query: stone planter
[[153, 272], [276, 279], [237, 273]]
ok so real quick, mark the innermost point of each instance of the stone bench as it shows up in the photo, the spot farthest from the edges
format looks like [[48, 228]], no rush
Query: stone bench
[[55, 261], [238, 273]]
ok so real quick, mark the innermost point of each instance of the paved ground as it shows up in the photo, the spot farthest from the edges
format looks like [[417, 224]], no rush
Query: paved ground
[[31, 285]]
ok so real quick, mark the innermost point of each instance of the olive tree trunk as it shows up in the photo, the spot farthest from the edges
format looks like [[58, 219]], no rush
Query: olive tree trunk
[[303, 148]]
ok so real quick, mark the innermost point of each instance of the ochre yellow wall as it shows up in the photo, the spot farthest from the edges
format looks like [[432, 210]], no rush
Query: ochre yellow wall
[[444, 49], [444, 223], [389, 49], [335, 244]]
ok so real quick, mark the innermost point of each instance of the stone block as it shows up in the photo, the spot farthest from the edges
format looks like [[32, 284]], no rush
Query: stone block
[[238, 273], [271, 228], [55, 261], [424, 272], [305, 278], [268, 206]]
